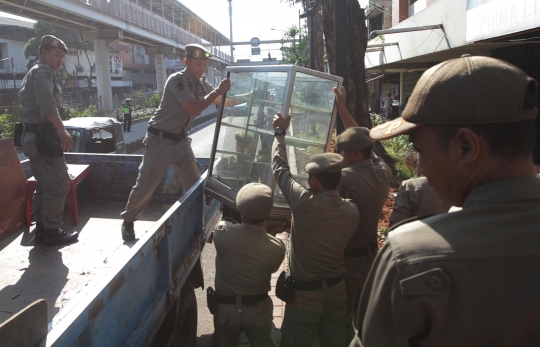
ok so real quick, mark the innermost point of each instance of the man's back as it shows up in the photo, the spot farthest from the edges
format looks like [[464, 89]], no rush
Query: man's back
[[461, 279], [246, 258], [366, 183]]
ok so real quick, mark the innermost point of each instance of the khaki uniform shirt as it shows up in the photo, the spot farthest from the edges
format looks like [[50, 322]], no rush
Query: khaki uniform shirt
[[40, 94], [367, 184], [467, 278], [246, 258], [180, 87], [416, 198], [323, 223]]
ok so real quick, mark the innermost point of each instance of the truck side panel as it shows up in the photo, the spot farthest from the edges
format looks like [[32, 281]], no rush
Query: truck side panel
[[128, 305]]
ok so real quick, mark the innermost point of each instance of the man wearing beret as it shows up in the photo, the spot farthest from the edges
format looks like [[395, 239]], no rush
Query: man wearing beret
[[322, 225], [246, 257], [185, 96], [40, 104], [366, 181], [467, 278]]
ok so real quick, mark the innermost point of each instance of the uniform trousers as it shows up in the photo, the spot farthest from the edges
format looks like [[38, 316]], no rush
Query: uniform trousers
[[254, 320], [314, 313], [159, 153], [356, 273], [52, 184], [127, 122]]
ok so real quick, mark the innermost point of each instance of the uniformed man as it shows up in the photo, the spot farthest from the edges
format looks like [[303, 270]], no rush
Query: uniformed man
[[322, 225], [469, 277], [246, 257], [40, 106], [366, 181], [126, 109], [416, 198], [185, 96]]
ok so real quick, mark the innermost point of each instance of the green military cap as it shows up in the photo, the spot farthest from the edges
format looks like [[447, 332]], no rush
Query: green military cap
[[254, 201], [197, 51], [326, 162], [466, 90], [354, 139], [239, 137], [54, 42]]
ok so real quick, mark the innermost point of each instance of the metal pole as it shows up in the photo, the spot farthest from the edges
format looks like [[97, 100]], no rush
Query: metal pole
[[13, 70], [216, 132], [230, 22], [341, 20]]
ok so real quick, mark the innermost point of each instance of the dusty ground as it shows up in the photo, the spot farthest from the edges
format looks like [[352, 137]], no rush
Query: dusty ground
[[386, 212]]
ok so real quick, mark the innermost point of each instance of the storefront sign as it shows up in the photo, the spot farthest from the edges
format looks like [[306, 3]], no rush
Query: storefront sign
[[492, 18]]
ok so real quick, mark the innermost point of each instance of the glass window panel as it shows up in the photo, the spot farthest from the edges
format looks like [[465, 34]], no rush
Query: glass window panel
[[244, 148]]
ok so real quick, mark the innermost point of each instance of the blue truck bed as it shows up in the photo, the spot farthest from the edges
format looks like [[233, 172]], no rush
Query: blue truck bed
[[102, 291]]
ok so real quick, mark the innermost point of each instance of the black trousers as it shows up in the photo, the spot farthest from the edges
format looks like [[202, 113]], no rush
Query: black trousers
[[127, 122]]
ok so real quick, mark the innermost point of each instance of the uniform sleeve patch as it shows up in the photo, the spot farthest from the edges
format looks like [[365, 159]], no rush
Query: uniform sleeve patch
[[180, 84]]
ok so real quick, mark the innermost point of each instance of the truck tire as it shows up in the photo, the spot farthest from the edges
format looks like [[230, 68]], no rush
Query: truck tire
[[186, 320]]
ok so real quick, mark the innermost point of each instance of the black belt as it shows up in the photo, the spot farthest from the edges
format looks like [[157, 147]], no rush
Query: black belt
[[33, 128], [167, 135], [315, 285], [246, 299], [360, 252]]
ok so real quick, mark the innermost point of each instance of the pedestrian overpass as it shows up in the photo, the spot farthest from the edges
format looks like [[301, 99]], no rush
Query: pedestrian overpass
[[163, 27]]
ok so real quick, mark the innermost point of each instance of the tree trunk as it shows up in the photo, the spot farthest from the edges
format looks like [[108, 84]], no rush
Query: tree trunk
[[319, 41], [357, 90]]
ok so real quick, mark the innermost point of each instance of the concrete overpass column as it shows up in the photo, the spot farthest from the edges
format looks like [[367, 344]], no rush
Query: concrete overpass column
[[210, 73], [103, 77], [161, 72]]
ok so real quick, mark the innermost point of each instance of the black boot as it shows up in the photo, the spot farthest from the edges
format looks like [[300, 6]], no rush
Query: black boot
[[58, 236], [38, 233], [128, 231]]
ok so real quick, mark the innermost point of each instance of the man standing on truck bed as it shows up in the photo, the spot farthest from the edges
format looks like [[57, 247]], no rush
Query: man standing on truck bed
[[246, 258], [185, 96], [469, 277], [40, 106], [323, 223]]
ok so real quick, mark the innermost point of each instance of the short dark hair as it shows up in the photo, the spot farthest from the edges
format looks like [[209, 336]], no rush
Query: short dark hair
[[329, 180], [366, 152], [506, 140], [254, 221]]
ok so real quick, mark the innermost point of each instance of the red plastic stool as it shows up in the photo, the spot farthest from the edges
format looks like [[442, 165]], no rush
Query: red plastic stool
[[76, 174]]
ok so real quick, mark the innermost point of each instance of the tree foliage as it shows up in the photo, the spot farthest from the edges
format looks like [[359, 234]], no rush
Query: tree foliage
[[296, 53]]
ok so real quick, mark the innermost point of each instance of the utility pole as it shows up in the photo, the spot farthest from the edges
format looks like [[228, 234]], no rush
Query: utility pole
[[14, 81], [230, 20]]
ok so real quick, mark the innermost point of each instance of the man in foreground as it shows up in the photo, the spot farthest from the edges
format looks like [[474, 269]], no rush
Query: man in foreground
[[322, 225], [40, 106], [185, 96], [246, 257], [468, 277]]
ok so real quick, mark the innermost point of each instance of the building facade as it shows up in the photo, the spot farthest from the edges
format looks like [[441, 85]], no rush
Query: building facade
[[427, 32]]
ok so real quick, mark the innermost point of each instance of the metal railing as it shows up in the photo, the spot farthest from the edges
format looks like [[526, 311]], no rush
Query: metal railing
[[136, 14]]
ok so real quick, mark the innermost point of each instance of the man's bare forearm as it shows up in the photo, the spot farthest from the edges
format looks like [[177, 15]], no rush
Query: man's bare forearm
[[57, 122]]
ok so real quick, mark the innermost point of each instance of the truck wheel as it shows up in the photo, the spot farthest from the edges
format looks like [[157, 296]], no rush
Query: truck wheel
[[186, 322]]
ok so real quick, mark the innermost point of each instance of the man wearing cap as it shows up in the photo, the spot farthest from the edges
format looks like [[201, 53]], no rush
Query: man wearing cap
[[469, 277], [126, 109], [366, 181], [185, 96], [246, 257], [322, 225], [40, 106], [416, 198]]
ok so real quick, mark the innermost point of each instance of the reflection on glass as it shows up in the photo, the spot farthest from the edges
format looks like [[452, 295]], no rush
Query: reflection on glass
[[246, 135]]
